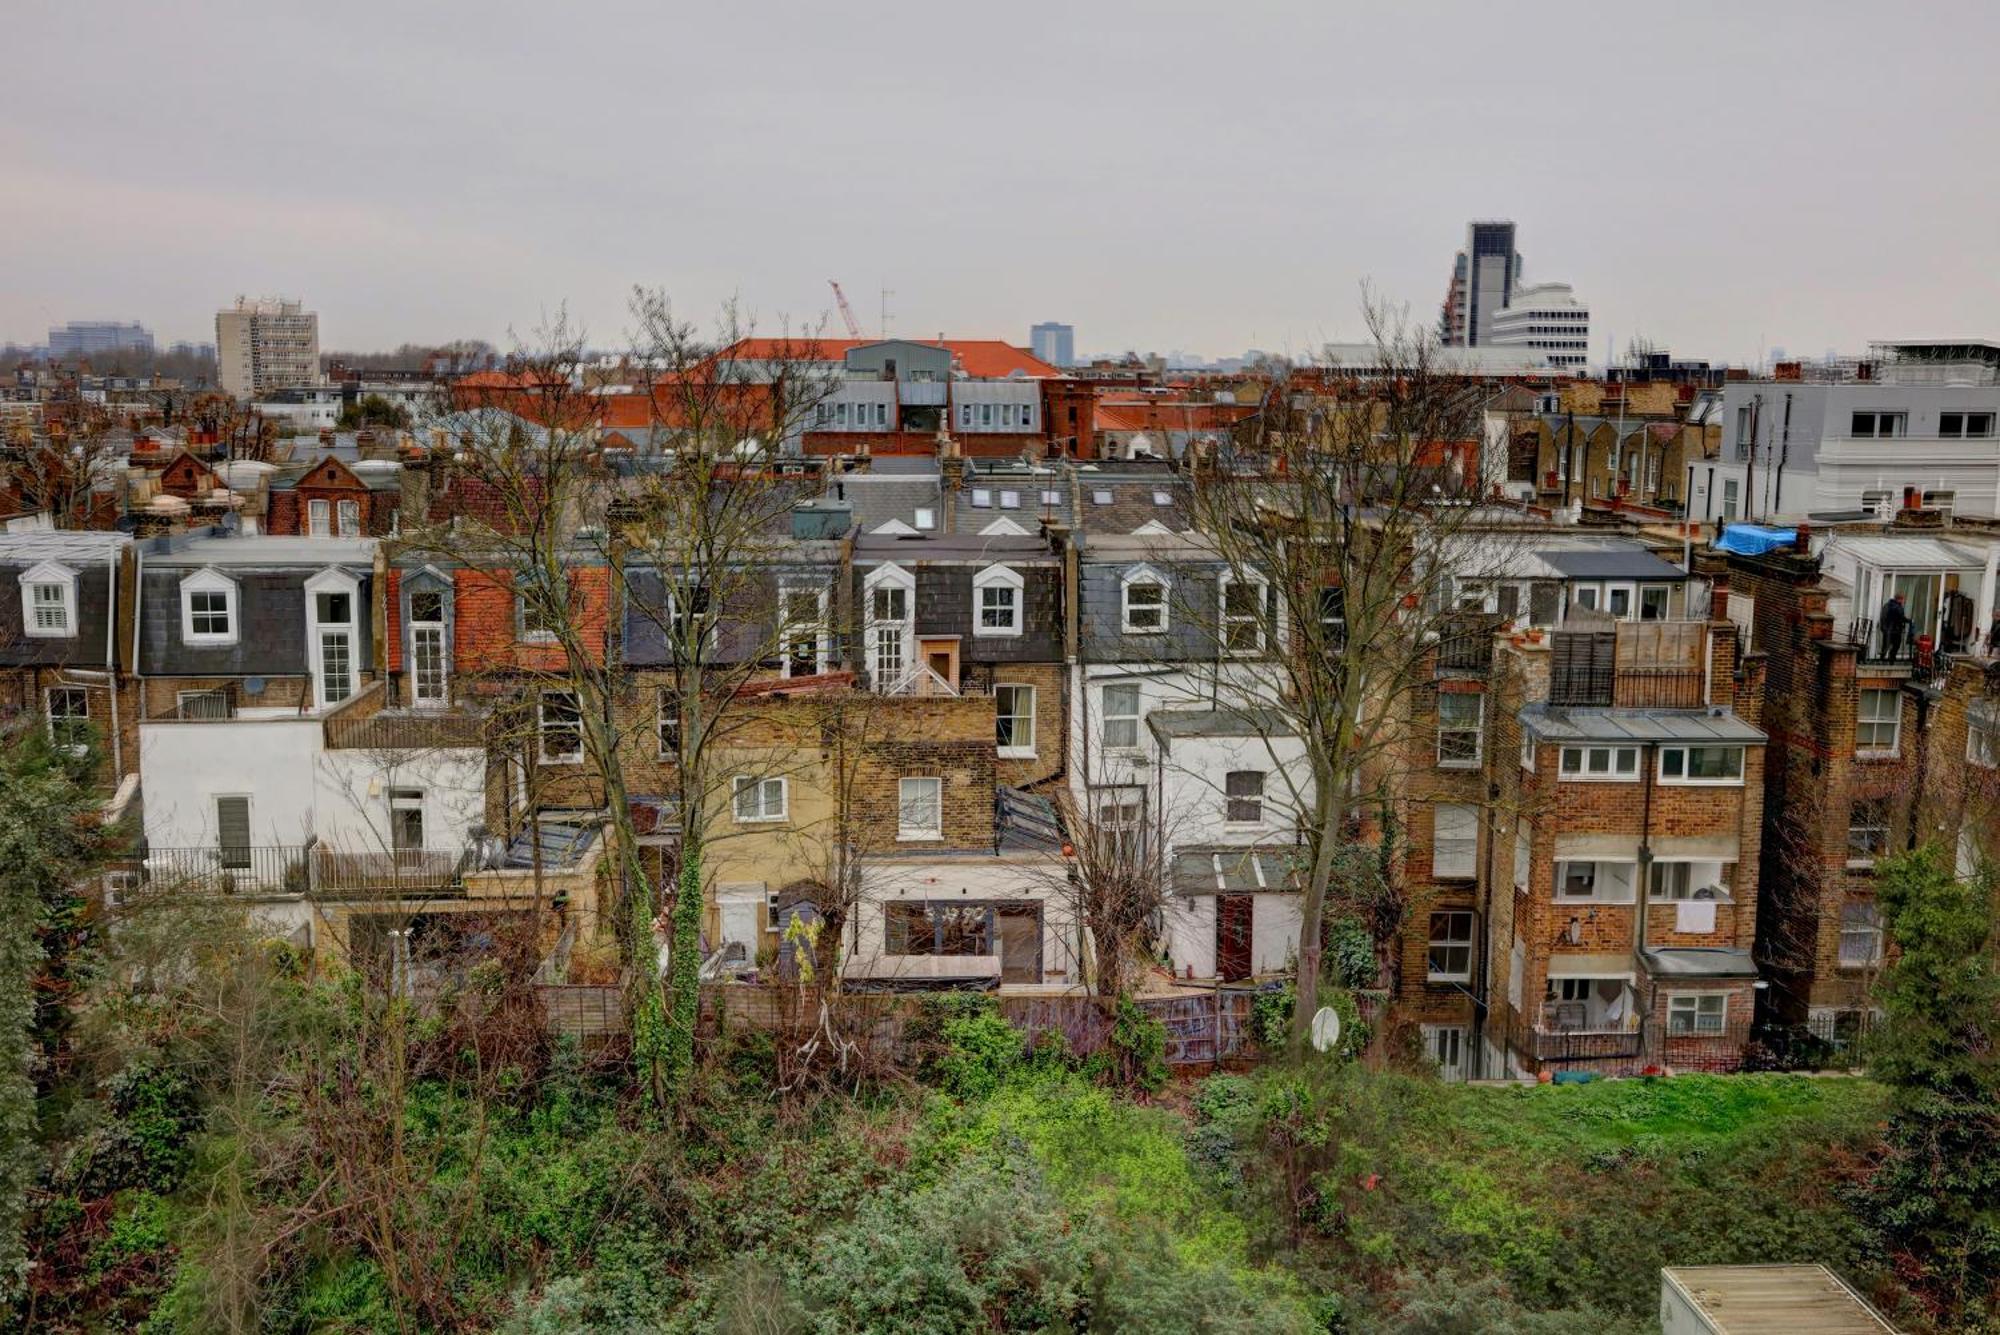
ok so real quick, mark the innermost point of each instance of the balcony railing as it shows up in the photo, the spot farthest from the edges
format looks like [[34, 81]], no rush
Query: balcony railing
[[1555, 1045], [303, 869], [242, 869], [1465, 644], [402, 871], [1877, 648], [1659, 688], [405, 730]]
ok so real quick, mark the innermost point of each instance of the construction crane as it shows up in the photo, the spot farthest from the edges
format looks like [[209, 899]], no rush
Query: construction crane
[[846, 311]]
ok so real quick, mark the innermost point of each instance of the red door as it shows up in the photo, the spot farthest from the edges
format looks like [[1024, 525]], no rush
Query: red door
[[1232, 936]]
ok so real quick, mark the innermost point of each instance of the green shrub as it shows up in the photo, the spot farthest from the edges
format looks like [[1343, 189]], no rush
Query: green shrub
[[979, 1052], [1137, 1048]]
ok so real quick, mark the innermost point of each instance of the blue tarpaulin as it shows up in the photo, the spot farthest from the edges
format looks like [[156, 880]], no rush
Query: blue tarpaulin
[[1755, 539]]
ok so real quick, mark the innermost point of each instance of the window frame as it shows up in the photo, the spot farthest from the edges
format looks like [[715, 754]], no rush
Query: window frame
[[343, 511], [1860, 919], [1015, 749], [59, 724], [667, 720], [1243, 809], [792, 630], [1449, 943], [1863, 855], [1477, 729], [1558, 890], [49, 575], [543, 731], [999, 577], [906, 831], [1449, 873], [1978, 725], [1894, 722], [1105, 718], [1229, 622], [1686, 751], [319, 518], [1696, 1013], [760, 784], [1142, 577], [210, 581], [402, 800], [333, 582], [1612, 751]]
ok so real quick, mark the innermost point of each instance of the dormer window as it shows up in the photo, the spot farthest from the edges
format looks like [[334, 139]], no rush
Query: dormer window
[[1010, 500], [1144, 602], [48, 601], [208, 609], [331, 598], [1244, 612], [996, 601], [350, 519], [319, 519], [982, 498]]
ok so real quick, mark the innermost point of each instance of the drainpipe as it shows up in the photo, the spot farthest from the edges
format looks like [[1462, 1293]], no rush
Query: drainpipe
[[1482, 971], [1649, 760], [1784, 451]]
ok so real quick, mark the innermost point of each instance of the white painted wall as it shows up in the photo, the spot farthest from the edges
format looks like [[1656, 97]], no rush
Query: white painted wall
[[297, 788], [1190, 934], [972, 879], [188, 765], [351, 796], [1192, 788]]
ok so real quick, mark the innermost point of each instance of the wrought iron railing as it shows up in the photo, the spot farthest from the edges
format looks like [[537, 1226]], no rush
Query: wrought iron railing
[[402, 871], [227, 869], [1557, 1044], [1879, 647], [1465, 644], [405, 730]]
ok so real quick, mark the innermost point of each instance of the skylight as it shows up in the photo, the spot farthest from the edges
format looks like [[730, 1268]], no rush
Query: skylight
[[1100, 498]]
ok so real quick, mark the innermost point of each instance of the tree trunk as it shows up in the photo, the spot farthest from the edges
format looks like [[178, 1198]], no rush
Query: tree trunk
[[684, 971]]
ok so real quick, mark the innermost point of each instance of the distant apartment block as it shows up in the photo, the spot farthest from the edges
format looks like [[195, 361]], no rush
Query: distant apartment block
[[1488, 305], [91, 338], [265, 345], [1053, 343]]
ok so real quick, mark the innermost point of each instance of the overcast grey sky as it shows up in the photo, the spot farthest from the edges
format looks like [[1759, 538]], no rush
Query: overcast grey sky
[[1718, 177]]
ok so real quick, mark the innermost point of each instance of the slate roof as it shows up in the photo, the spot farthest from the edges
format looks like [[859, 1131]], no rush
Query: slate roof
[[879, 498], [1118, 503], [91, 556], [1612, 563]]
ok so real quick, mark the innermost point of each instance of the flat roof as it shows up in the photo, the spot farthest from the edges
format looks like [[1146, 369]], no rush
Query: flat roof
[[1609, 563], [61, 545], [266, 549], [1700, 962], [1775, 1300], [1552, 723], [1167, 723]]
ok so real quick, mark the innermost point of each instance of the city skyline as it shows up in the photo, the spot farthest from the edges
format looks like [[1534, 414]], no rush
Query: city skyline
[[1728, 225]]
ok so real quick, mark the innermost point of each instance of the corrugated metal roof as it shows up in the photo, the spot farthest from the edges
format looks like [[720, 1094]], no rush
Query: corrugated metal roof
[[1552, 723], [1770, 1299]]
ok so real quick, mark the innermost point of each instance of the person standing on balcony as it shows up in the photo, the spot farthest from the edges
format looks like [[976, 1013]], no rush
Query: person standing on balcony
[[1895, 623], [1993, 636]]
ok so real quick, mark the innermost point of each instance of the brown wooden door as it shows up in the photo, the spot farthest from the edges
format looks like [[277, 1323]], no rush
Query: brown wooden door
[[1019, 928], [1232, 936]]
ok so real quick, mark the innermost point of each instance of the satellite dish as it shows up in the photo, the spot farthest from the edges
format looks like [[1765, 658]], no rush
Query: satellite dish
[[1326, 1029]]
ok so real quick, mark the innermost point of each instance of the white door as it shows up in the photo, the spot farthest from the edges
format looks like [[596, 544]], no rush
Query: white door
[[1446, 1045], [739, 924]]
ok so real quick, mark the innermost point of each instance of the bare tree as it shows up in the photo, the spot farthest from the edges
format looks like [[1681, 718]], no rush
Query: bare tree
[[691, 534], [1344, 514]]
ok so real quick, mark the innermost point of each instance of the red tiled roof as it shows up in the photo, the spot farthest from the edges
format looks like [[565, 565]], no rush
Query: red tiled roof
[[986, 358]]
